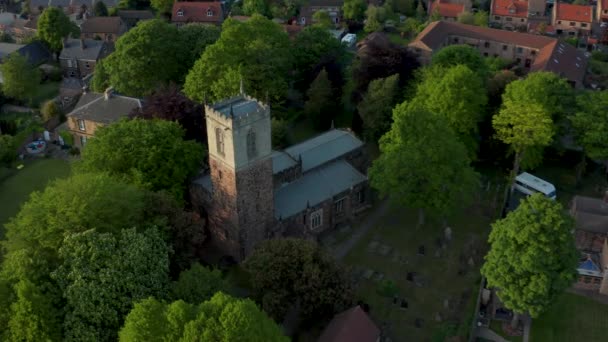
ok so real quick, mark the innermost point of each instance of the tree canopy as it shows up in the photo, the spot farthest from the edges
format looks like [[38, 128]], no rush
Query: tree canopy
[[100, 9], [149, 153], [286, 272], [251, 7], [320, 101], [20, 79], [423, 164], [590, 124], [256, 51], [197, 37], [222, 318], [53, 27], [532, 258], [461, 54], [197, 284], [162, 6], [313, 49], [322, 19], [354, 9], [377, 105]]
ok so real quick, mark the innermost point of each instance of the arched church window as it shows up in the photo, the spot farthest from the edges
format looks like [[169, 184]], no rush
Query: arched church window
[[251, 148], [219, 140]]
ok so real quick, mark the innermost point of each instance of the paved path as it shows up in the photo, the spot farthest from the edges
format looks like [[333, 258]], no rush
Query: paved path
[[591, 294], [340, 250], [527, 326], [488, 334]]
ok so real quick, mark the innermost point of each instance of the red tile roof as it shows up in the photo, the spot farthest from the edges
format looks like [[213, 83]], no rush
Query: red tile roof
[[570, 12], [196, 12], [446, 9], [352, 325], [510, 8]]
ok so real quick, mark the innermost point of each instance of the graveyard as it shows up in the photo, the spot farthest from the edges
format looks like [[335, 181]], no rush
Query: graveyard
[[421, 282]]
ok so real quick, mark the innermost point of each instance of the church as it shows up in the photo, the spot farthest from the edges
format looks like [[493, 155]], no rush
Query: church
[[251, 192]]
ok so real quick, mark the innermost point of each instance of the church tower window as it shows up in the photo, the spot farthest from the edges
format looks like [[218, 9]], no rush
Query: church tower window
[[251, 148], [219, 140]]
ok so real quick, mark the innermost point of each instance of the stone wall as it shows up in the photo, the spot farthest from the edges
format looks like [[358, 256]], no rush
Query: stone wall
[[287, 176]]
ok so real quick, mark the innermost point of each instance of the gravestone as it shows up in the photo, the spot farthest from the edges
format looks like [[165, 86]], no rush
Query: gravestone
[[378, 276], [471, 262], [368, 273], [421, 250], [410, 276], [419, 322], [446, 303], [384, 250], [448, 234], [438, 317]]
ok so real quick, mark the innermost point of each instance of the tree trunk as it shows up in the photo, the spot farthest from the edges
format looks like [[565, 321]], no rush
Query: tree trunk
[[580, 168], [516, 162], [420, 217], [515, 320]]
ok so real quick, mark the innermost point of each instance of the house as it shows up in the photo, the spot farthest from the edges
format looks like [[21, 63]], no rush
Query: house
[[35, 52], [291, 28], [352, 325], [79, 56], [530, 52], [573, 20], [206, 12], [448, 10], [332, 7], [95, 110], [104, 28], [591, 220], [68, 6], [252, 193], [517, 14], [132, 17], [16, 27], [602, 11]]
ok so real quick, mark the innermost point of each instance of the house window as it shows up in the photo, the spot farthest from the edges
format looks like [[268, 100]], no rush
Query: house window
[[209, 13], [571, 33], [361, 196], [316, 219], [533, 52], [559, 21], [572, 23], [485, 54], [81, 125], [339, 206], [486, 45], [251, 148], [456, 40], [518, 60], [587, 280], [72, 74], [605, 11], [583, 24], [496, 18], [528, 62], [520, 50], [87, 65], [303, 21], [597, 280], [504, 48], [509, 19], [522, 20], [180, 13], [83, 140], [219, 140]]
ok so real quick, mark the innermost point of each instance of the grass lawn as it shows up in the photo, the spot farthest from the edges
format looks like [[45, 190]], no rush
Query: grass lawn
[[397, 39], [572, 318], [45, 92], [447, 277], [16, 189]]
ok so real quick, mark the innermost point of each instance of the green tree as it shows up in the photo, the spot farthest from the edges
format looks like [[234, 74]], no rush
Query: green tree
[[8, 150], [256, 51], [197, 37], [222, 318], [197, 284], [101, 79], [423, 165], [532, 258], [279, 133], [49, 110], [313, 47], [251, 7], [420, 11], [354, 10], [322, 19], [461, 54], [145, 57], [149, 153], [376, 107], [458, 95], [320, 101], [590, 125], [435, 15], [20, 79], [481, 19], [375, 17], [53, 27], [102, 275], [100, 9], [287, 272], [162, 6], [466, 18], [32, 316]]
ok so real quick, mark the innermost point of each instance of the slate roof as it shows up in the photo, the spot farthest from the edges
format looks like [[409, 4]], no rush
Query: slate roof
[[569, 12], [510, 8], [324, 148], [315, 187], [446, 9], [36, 53], [205, 182], [102, 25], [136, 14], [72, 49], [590, 214], [352, 325], [94, 107], [196, 12], [281, 161], [237, 106]]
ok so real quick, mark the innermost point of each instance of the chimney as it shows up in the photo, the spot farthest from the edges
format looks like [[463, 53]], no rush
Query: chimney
[[108, 93], [82, 44]]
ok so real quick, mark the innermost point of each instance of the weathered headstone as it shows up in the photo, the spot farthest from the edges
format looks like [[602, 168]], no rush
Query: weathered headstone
[[448, 234], [438, 317], [471, 262], [446, 303]]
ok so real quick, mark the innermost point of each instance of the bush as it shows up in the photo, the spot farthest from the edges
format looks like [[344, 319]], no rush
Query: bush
[[599, 56], [7, 149], [387, 288], [279, 132], [49, 110], [68, 138], [74, 151]]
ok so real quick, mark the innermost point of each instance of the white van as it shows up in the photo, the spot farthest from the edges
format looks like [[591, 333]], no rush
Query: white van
[[529, 184], [349, 39]]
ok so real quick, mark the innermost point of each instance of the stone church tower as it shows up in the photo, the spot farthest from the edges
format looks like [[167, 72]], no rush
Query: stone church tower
[[239, 140]]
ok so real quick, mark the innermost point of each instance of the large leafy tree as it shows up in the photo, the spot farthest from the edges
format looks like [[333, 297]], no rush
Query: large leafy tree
[[354, 10], [590, 124], [251, 7], [423, 164], [377, 105], [461, 54], [100, 9], [320, 104], [256, 51], [222, 318], [102, 275], [322, 19], [532, 258], [53, 27], [169, 103], [197, 284], [145, 57], [458, 95], [197, 37], [288, 272], [149, 153], [315, 48], [20, 79], [162, 6]]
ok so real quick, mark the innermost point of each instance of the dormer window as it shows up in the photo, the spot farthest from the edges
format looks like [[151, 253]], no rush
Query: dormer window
[[512, 10], [209, 12], [180, 12]]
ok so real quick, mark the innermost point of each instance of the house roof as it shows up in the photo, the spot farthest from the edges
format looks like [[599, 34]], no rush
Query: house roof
[[581, 13], [281, 161], [446, 9], [102, 25], [238, 106], [94, 107], [197, 12], [590, 214], [136, 14], [205, 182], [511, 8], [72, 83], [36, 53], [8, 48], [560, 58], [291, 30], [73, 49], [324, 148], [352, 325], [315, 187]]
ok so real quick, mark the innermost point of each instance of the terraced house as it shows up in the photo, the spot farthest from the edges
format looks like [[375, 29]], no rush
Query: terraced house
[[448, 10], [573, 20], [516, 14]]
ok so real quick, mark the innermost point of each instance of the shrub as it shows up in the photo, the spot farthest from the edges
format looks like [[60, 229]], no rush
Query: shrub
[[7, 149], [49, 110]]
